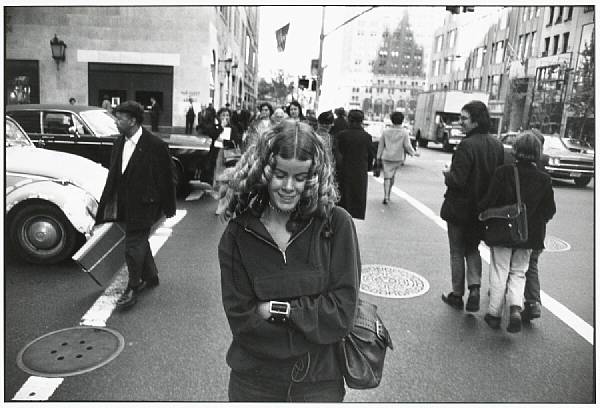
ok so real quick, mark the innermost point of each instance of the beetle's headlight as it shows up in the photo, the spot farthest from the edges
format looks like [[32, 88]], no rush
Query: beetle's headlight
[[554, 161]]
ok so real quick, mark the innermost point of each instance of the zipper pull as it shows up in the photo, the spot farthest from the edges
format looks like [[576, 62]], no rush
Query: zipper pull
[[284, 258]]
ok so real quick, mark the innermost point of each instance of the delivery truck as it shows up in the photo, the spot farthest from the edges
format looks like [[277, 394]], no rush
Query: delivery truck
[[437, 117]]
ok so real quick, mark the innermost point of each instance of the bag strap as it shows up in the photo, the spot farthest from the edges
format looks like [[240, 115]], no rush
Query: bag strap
[[518, 185]]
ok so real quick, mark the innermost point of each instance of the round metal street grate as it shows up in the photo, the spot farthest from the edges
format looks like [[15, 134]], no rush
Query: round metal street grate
[[71, 351], [392, 282], [554, 244]]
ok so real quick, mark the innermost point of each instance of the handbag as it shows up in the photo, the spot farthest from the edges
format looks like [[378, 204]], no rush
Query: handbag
[[506, 226], [362, 351], [377, 168]]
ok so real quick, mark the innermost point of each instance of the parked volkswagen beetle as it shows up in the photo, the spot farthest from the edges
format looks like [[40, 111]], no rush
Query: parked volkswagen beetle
[[51, 198]]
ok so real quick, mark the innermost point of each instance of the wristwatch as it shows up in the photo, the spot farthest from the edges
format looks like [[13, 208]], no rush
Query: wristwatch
[[280, 311]]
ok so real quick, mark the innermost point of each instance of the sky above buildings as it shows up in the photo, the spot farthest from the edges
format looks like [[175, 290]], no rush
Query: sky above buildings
[[302, 43]]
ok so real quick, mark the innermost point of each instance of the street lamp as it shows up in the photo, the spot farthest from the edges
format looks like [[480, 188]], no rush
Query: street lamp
[[227, 66], [58, 49]]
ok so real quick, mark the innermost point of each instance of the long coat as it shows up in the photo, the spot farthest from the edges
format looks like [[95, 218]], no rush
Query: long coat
[[149, 184], [355, 152]]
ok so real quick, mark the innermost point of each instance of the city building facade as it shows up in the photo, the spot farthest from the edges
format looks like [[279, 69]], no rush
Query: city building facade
[[384, 69], [526, 62], [133, 53]]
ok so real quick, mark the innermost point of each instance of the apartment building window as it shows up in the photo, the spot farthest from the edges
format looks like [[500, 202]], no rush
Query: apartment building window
[[526, 13], [569, 14], [479, 57], [588, 9], [247, 49], [439, 41], [538, 11], [494, 86], [565, 46], [531, 45], [436, 68], [550, 16], [555, 47], [560, 15], [451, 38], [477, 84], [521, 47], [499, 52], [546, 46]]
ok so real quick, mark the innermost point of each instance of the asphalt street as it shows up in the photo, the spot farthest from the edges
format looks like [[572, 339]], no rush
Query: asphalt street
[[176, 336]]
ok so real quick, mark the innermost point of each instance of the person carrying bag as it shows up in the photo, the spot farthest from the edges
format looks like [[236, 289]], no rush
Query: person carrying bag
[[506, 225], [514, 229]]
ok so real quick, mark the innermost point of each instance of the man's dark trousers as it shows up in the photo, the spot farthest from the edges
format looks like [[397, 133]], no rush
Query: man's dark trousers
[[138, 256]]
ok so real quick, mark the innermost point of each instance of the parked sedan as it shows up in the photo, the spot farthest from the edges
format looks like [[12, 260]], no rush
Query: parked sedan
[[563, 158], [51, 198], [91, 131]]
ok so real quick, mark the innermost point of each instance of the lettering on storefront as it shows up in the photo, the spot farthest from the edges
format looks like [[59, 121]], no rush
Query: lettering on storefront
[[191, 93]]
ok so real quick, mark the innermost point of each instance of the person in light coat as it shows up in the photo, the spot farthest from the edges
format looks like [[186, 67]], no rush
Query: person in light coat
[[394, 144]]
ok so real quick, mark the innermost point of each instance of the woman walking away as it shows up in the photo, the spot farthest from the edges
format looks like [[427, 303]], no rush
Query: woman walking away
[[473, 164], [355, 148], [391, 152], [508, 264], [289, 271]]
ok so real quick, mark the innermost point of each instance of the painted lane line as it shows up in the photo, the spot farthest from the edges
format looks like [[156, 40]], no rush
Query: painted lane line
[[38, 389], [42, 388], [576, 323]]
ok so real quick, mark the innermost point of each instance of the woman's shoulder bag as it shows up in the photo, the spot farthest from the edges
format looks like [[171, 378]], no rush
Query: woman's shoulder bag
[[361, 352], [507, 225]]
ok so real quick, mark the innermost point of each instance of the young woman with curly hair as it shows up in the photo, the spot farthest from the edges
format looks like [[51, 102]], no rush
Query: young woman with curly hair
[[290, 269]]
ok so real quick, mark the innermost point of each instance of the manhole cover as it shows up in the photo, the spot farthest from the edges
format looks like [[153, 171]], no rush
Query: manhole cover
[[554, 244], [71, 351], [392, 282]]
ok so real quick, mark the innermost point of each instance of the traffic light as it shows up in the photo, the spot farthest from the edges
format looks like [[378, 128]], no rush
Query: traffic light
[[467, 9], [303, 83], [453, 9]]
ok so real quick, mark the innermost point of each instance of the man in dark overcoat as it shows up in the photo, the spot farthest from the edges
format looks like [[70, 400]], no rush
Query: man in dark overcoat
[[139, 189], [355, 152]]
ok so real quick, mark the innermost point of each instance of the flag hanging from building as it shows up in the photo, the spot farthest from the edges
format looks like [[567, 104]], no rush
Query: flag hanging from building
[[281, 35]]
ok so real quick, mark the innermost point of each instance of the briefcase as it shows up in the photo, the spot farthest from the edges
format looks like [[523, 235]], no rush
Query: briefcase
[[105, 239]]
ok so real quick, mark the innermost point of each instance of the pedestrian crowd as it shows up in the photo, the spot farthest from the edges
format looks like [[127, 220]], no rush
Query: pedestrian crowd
[[289, 186]]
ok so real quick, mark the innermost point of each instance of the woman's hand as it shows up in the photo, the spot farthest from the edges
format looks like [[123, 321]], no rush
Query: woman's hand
[[262, 308]]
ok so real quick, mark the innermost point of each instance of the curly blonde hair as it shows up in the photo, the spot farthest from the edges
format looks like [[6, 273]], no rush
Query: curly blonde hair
[[247, 188]]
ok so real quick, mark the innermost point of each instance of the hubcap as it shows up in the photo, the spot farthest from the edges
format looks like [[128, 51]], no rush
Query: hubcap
[[43, 233]]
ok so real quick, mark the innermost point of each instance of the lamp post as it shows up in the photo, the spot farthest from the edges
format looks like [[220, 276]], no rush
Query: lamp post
[[58, 50], [227, 67]]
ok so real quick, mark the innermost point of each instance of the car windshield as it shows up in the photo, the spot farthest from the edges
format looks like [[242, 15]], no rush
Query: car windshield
[[15, 136], [101, 122]]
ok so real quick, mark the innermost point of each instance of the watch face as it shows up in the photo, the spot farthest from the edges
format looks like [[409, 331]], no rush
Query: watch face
[[279, 307]]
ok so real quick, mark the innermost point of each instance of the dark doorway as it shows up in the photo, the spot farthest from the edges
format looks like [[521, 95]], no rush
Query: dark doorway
[[134, 82]]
